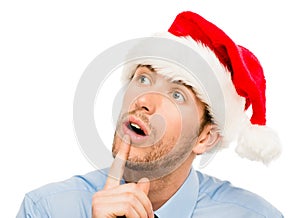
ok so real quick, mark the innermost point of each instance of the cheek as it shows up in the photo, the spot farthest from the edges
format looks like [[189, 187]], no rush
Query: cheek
[[172, 118], [190, 120], [180, 119]]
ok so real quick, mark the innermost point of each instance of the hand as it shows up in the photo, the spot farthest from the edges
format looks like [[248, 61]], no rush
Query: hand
[[128, 200]]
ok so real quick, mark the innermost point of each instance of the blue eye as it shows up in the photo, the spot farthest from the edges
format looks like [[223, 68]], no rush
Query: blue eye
[[144, 80], [178, 96]]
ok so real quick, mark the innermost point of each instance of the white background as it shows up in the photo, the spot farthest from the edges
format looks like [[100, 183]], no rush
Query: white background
[[45, 47]]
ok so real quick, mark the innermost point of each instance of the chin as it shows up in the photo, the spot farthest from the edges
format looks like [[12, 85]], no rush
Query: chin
[[154, 170]]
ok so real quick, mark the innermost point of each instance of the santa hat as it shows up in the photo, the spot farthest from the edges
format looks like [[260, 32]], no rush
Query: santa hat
[[240, 78]]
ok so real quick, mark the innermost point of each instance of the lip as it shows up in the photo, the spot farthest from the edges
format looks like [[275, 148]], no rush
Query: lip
[[141, 124], [135, 138]]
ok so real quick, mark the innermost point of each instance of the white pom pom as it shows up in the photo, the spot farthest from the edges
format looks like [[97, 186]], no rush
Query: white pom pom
[[259, 143]]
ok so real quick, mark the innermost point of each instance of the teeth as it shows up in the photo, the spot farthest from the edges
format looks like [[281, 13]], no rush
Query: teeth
[[135, 125]]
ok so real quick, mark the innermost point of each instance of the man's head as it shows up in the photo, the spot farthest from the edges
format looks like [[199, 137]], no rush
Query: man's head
[[166, 103], [167, 123], [231, 69]]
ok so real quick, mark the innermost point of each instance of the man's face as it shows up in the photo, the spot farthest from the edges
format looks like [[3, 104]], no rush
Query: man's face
[[162, 119]]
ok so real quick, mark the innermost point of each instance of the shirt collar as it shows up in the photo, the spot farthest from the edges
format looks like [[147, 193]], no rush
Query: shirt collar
[[183, 202]]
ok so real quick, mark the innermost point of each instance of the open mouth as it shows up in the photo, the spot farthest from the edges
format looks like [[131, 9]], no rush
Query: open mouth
[[136, 128]]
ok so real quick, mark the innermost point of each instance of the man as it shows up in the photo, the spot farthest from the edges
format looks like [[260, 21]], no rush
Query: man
[[167, 119]]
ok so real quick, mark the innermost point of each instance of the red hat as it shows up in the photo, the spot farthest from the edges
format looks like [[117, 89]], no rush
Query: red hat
[[246, 72], [256, 141]]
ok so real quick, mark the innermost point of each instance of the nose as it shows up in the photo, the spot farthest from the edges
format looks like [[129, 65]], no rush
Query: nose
[[148, 102]]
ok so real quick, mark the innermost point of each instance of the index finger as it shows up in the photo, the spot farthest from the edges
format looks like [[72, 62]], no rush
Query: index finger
[[117, 168]]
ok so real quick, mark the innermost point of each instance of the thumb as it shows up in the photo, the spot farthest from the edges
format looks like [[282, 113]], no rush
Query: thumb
[[144, 185]]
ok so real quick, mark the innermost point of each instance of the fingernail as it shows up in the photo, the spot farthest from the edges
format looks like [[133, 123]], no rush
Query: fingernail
[[144, 180], [126, 138]]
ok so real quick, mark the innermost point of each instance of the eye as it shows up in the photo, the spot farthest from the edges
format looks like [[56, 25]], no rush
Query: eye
[[178, 96], [144, 80]]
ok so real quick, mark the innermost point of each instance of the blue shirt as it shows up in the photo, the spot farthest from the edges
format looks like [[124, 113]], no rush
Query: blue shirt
[[199, 196]]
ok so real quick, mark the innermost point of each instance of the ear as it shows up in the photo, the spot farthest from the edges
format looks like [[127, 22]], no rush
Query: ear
[[207, 139]]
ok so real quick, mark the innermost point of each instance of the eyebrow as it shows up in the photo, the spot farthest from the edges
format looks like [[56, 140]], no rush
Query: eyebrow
[[177, 82], [147, 66], [180, 82]]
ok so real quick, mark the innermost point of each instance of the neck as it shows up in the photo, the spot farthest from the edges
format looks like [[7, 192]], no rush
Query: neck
[[163, 189]]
